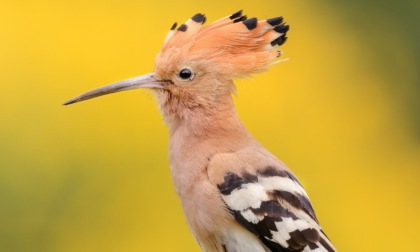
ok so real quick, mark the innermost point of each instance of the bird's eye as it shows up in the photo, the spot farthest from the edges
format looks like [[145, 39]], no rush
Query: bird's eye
[[185, 74]]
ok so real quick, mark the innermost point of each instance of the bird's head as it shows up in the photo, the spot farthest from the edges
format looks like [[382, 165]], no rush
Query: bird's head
[[197, 63]]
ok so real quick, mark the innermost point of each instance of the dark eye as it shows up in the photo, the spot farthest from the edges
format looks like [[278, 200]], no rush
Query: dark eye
[[185, 74]]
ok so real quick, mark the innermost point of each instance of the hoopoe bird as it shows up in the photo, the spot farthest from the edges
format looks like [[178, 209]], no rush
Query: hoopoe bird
[[236, 195]]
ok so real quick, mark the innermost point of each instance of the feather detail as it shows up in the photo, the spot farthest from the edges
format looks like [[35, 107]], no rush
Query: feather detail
[[237, 45], [273, 205]]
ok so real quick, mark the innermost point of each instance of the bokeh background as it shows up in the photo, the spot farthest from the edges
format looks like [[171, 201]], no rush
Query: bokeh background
[[343, 113]]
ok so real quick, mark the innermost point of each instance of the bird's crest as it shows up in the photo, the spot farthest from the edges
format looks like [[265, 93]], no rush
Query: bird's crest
[[236, 45]]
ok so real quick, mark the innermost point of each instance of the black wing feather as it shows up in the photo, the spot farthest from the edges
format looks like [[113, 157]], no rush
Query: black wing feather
[[281, 208]]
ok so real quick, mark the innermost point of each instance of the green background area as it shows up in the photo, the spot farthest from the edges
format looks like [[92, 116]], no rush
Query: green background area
[[342, 112]]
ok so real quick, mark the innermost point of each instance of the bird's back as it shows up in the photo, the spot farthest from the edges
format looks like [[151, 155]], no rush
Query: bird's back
[[267, 200]]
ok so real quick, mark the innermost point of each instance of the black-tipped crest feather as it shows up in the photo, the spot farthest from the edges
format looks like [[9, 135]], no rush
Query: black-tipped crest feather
[[240, 19], [251, 23], [236, 15], [275, 21], [199, 18], [283, 28], [183, 28]]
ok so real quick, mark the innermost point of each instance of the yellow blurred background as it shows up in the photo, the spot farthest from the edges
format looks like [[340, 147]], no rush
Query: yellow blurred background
[[343, 113]]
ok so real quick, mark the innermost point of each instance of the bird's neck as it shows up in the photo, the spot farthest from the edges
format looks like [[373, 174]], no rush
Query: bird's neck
[[203, 129], [197, 134], [212, 120]]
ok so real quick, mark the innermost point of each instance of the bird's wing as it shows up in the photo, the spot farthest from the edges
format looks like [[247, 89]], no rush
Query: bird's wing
[[268, 200]]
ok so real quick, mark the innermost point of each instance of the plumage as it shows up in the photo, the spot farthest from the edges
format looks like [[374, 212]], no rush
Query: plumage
[[235, 194]]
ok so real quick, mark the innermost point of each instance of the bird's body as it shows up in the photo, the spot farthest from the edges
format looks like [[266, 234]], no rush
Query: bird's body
[[236, 195], [222, 189]]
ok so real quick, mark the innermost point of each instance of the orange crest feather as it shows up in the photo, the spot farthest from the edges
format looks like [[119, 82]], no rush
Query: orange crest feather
[[235, 45]]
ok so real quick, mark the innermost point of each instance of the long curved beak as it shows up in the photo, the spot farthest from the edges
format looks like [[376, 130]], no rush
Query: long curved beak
[[144, 81]]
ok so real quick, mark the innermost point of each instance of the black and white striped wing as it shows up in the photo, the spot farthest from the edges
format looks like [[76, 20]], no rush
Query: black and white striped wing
[[273, 205]]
